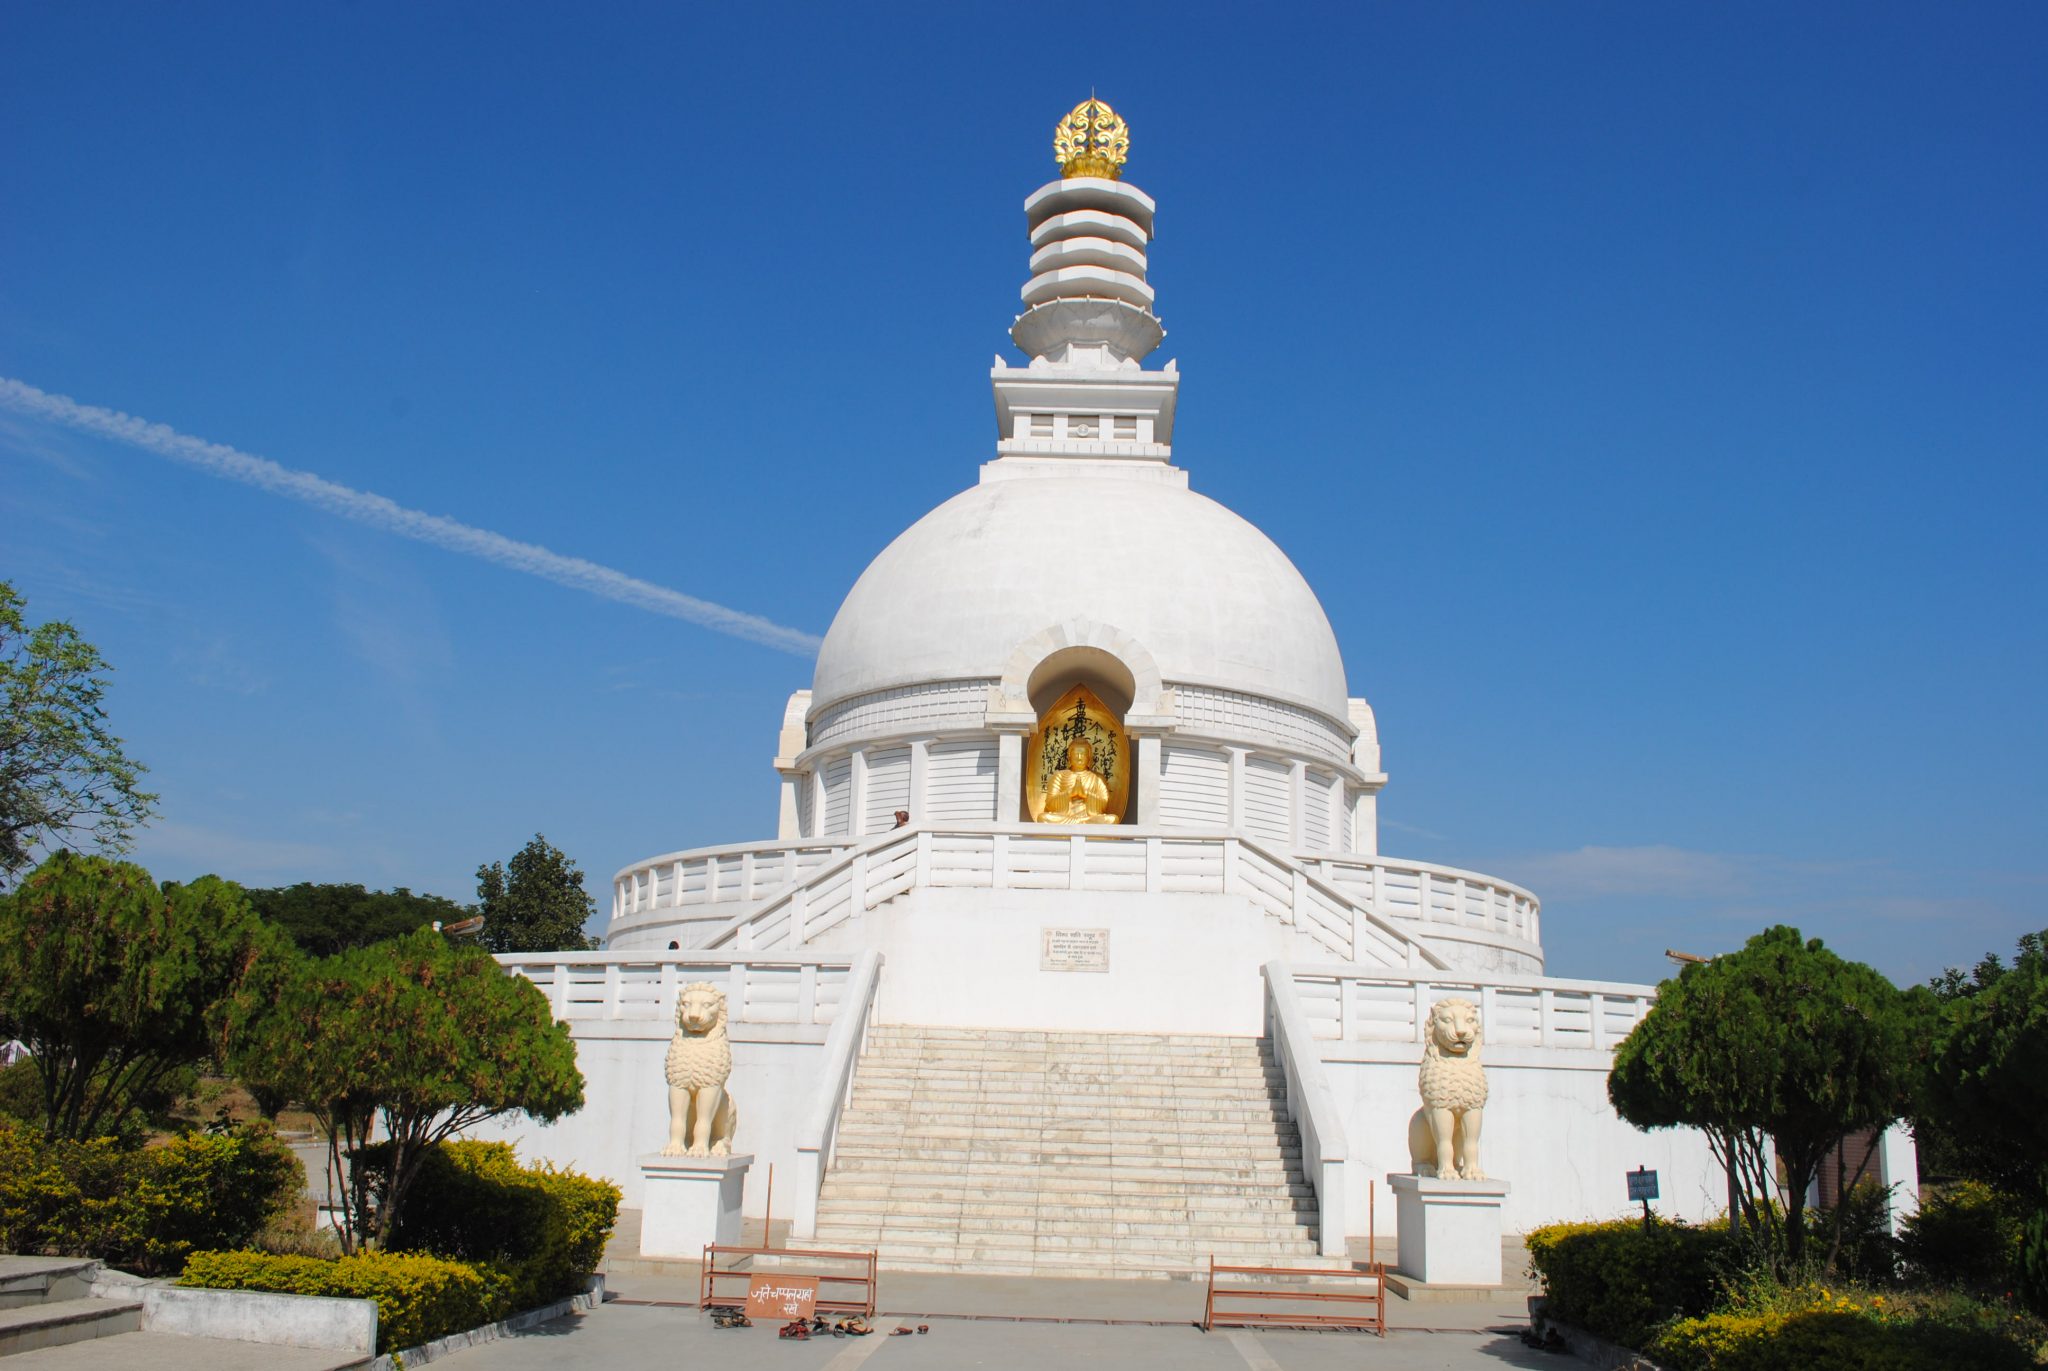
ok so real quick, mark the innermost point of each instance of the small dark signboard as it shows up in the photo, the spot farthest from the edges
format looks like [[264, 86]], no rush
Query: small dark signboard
[[782, 1297], [1642, 1184]]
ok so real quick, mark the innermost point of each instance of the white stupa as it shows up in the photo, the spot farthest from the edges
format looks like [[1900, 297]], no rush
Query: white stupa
[[951, 889]]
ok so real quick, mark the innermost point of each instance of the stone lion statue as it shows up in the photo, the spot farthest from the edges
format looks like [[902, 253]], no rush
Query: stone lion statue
[[701, 1115], [1443, 1137]]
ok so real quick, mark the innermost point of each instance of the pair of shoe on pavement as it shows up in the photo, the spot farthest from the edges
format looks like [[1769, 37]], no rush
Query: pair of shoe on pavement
[[854, 1327]]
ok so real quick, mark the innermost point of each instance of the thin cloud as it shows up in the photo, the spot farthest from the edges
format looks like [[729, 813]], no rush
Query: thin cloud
[[219, 460]]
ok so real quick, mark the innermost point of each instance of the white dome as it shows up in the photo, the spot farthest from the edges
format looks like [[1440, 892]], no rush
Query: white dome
[[1211, 598]]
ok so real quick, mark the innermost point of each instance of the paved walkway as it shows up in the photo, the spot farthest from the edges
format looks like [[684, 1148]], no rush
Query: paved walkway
[[1008, 1324]]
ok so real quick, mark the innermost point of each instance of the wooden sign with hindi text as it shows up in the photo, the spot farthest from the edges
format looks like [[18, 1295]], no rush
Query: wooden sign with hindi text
[[782, 1297]]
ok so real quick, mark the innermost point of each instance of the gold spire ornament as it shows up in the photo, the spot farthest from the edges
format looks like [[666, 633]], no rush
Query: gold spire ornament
[[1092, 140]]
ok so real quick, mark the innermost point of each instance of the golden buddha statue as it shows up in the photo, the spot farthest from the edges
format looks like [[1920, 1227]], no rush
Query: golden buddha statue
[[1077, 795]]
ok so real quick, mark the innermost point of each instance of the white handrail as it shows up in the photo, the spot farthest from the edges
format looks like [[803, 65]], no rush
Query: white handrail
[[1324, 1150], [820, 1128], [887, 865], [713, 884], [1368, 1004]]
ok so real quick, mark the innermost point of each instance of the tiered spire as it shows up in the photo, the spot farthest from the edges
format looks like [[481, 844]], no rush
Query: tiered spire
[[1088, 316]]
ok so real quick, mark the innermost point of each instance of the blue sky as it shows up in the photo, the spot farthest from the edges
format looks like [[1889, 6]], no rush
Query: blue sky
[[1657, 397]]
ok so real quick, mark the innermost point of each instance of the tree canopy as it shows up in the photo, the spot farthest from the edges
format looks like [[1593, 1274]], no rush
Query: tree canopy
[[114, 982], [63, 776], [536, 903], [1989, 1090], [326, 919], [427, 1037], [1781, 1040]]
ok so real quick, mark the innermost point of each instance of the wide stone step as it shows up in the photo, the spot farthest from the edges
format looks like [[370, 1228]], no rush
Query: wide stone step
[[1143, 1238], [1134, 1152], [57, 1323], [1028, 1230], [39, 1280], [973, 1251]]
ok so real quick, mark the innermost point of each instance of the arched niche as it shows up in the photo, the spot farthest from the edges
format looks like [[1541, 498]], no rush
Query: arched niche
[[1107, 660]]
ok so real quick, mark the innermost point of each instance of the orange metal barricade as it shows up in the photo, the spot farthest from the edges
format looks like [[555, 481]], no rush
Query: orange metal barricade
[[834, 1296], [1366, 1311]]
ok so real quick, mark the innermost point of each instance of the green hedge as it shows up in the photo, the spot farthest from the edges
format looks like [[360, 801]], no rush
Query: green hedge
[[1841, 1340], [1965, 1234], [419, 1298], [1621, 1280], [142, 1209], [473, 1201]]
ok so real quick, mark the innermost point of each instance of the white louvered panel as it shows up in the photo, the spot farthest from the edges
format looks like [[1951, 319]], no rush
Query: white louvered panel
[[806, 823], [838, 794], [1268, 785], [1315, 813], [1194, 787], [1344, 825], [960, 782], [888, 788]]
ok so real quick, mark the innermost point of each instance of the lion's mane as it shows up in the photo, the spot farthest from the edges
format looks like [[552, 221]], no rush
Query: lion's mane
[[1449, 1082], [696, 1060]]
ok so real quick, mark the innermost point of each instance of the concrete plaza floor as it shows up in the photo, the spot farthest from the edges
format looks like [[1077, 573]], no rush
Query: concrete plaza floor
[[1009, 1324]]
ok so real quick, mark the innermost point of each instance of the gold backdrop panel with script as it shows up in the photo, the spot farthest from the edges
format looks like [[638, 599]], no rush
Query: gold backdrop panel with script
[[1078, 764]]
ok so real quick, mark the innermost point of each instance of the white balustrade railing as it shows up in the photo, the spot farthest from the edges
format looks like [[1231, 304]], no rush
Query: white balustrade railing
[[819, 1130], [709, 878], [1354, 1004], [642, 985], [1029, 857], [717, 883], [1310, 1104], [1432, 894]]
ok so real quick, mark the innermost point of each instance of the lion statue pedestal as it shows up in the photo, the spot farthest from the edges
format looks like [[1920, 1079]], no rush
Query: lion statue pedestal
[[1447, 1212], [693, 1186]]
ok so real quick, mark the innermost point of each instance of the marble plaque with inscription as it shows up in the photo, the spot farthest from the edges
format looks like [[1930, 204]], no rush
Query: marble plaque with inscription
[[1074, 949]]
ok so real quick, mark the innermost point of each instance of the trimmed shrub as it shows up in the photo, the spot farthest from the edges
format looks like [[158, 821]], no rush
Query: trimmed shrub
[[474, 1202], [1830, 1338], [142, 1209], [213, 1190], [1968, 1234], [1620, 1280], [419, 1298]]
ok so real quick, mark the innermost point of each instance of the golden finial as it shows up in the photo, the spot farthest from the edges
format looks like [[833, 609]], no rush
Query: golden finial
[[1092, 140]]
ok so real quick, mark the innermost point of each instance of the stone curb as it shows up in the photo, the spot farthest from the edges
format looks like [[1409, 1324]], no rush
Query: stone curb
[[591, 1298]]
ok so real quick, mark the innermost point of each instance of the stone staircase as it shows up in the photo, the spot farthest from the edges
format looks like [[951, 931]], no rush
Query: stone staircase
[[1067, 1154], [48, 1302]]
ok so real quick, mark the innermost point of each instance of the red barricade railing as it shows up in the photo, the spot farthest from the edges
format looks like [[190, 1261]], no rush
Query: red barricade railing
[[1361, 1302], [839, 1292]]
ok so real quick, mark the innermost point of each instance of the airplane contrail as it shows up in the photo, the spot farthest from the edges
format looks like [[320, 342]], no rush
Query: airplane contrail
[[217, 459]]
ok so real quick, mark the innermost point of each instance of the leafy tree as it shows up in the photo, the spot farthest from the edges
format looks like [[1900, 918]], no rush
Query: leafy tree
[[1945, 1150], [1990, 1087], [118, 984], [537, 904], [423, 1036], [326, 919], [1783, 1041], [63, 776]]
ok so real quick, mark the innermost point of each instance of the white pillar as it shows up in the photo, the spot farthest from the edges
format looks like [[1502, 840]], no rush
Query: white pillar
[[857, 794], [920, 764], [1365, 823], [1148, 778], [1297, 805], [1009, 777], [1235, 819], [787, 829]]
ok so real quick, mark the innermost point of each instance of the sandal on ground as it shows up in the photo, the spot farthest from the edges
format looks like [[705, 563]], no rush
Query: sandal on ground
[[795, 1328], [924, 1328], [856, 1326], [730, 1318], [899, 1331]]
